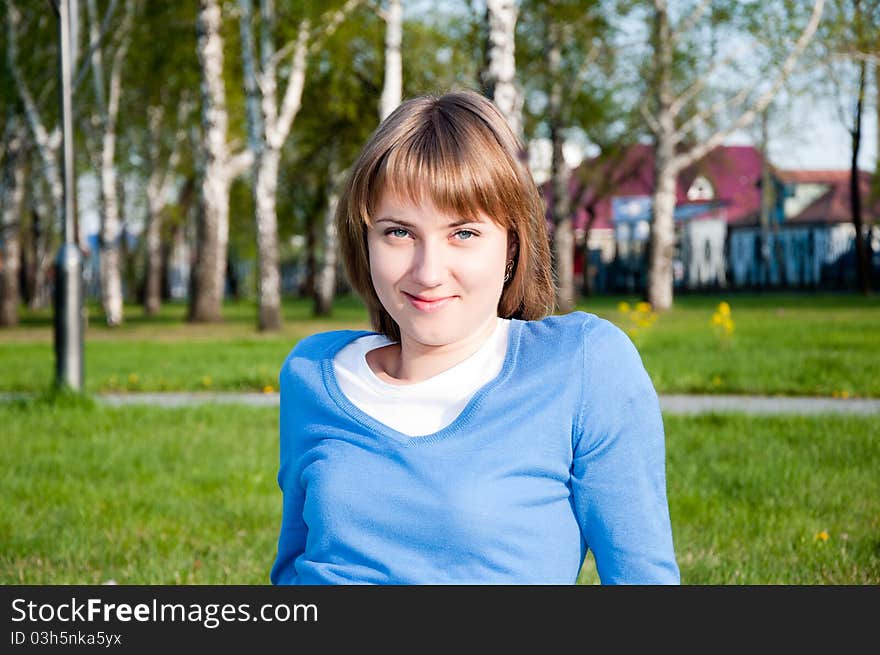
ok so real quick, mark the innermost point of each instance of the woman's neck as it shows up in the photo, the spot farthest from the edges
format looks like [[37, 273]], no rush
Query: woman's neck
[[409, 361]]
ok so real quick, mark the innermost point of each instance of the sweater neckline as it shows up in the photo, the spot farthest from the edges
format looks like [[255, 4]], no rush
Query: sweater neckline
[[381, 429]]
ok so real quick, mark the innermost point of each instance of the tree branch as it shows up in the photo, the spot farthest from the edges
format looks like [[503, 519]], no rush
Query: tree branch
[[292, 101], [692, 20], [330, 25], [690, 93], [700, 150], [239, 163], [105, 26], [653, 125]]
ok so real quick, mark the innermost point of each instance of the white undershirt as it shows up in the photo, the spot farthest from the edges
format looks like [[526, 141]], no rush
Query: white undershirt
[[423, 407]]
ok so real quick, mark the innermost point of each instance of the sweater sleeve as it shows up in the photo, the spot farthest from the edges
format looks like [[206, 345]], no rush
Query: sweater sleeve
[[292, 538], [618, 475]]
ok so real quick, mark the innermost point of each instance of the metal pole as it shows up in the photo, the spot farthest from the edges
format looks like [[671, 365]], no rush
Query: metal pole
[[68, 264]]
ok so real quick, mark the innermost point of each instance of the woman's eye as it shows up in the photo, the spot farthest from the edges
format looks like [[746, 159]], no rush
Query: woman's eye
[[464, 235], [397, 232]]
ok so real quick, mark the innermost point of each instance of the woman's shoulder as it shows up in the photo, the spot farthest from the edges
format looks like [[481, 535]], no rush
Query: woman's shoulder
[[576, 326], [599, 342], [320, 345]]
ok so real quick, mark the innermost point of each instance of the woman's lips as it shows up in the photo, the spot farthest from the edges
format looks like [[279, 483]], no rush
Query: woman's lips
[[428, 305]]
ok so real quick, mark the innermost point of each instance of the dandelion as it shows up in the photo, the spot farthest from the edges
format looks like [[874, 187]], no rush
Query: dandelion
[[132, 378], [822, 536], [268, 389], [640, 318], [206, 381], [722, 324], [716, 381]]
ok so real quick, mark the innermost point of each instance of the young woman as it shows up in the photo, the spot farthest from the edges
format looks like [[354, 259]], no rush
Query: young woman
[[472, 438]]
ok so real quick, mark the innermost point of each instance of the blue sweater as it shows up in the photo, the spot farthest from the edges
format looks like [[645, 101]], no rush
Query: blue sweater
[[561, 452]]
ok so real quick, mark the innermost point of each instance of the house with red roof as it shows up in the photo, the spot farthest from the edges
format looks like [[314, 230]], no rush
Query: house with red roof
[[720, 239]]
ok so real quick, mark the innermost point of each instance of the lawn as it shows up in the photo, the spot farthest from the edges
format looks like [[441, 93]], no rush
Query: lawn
[[141, 495], [797, 344]]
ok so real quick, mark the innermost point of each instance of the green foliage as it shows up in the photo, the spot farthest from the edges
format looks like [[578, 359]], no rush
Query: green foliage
[[586, 33]]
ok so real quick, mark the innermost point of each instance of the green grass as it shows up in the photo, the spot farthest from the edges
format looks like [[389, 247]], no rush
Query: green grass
[[822, 344], [137, 495], [142, 495]]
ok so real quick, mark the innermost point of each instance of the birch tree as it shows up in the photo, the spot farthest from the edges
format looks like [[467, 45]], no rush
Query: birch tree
[[325, 284], [499, 75], [12, 189], [270, 124], [218, 166], [46, 139], [674, 116], [392, 88], [562, 41], [160, 183], [45, 190], [107, 87]]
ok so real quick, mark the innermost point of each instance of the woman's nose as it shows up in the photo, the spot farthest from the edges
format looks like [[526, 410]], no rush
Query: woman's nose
[[429, 266]]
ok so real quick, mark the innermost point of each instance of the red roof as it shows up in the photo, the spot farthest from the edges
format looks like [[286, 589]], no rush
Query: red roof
[[733, 171], [833, 206]]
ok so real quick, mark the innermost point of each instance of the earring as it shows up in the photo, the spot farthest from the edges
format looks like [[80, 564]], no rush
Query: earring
[[508, 270]]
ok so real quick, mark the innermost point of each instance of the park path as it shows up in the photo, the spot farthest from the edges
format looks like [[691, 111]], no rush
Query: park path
[[669, 403]]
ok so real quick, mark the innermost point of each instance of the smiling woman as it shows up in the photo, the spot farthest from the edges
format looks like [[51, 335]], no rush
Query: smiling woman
[[472, 438]]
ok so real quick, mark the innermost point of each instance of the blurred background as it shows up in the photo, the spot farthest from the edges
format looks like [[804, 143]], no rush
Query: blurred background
[[710, 177]]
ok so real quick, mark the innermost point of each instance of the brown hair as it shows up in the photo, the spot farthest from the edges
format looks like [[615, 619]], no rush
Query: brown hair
[[458, 150]]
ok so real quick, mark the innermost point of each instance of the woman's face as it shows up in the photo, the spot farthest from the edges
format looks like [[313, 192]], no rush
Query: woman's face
[[438, 275]]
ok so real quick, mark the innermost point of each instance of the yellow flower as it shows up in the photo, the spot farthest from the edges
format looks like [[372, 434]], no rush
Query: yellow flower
[[716, 319], [643, 307], [822, 536], [133, 378], [268, 389], [206, 381], [716, 381], [724, 308], [844, 394], [623, 307]]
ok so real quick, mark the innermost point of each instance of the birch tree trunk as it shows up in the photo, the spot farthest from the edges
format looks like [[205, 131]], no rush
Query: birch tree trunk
[[668, 134], [107, 107], [41, 217], [265, 193], [500, 76], [563, 233], [325, 288], [661, 246], [159, 185], [218, 169], [11, 201], [392, 88]]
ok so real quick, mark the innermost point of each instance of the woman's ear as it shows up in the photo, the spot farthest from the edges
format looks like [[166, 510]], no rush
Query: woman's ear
[[512, 245]]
